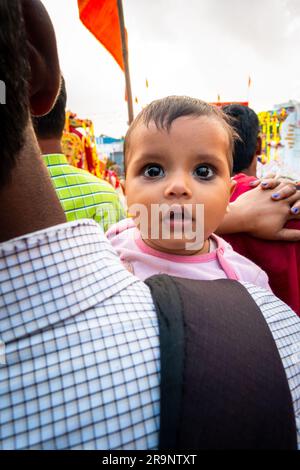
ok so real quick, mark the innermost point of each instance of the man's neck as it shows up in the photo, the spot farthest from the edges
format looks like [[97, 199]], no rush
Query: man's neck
[[251, 170], [28, 202], [50, 146]]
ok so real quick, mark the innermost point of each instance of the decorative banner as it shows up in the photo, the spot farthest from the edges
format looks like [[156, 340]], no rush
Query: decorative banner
[[79, 145], [220, 104], [280, 136], [101, 18]]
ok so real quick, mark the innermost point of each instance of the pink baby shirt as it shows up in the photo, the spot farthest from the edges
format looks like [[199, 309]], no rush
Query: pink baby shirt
[[143, 261]]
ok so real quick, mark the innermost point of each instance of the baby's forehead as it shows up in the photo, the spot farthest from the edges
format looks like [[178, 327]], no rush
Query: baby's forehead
[[147, 132], [144, 138]]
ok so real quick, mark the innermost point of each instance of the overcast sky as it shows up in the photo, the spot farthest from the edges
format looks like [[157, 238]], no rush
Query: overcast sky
[[200, 48]]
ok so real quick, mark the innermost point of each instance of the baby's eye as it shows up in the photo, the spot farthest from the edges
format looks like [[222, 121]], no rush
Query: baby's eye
[[153, 171], [204, 172]]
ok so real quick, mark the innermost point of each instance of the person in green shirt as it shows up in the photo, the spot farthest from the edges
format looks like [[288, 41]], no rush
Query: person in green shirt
[[82, 195]]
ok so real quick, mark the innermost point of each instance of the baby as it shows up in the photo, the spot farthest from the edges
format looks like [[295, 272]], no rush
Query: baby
[[178, 159]]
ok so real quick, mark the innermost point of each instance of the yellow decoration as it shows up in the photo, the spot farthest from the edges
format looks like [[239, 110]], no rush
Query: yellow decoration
[[79, 145]]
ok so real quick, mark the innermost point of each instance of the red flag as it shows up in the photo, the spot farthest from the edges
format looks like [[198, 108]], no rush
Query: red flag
[[101, 18]]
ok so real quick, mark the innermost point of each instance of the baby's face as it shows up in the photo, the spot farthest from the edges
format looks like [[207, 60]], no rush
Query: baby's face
[[186, 166]]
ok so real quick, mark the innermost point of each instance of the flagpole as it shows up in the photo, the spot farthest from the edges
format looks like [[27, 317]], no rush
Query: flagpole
[[249, 86], [125, 59]]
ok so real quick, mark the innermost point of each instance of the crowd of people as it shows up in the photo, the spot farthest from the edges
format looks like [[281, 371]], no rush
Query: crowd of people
[[140, 332]]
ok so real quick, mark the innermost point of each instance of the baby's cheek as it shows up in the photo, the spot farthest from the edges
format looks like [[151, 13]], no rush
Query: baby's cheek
[[213, 216], [136, 194], [133, 199]]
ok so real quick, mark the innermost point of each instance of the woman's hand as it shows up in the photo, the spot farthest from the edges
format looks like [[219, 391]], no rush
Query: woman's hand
[[287, 188], [263, 215]]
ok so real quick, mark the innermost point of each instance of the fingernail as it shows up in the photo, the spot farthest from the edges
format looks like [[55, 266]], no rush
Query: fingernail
[[276, 195], [252, 183], [295, 210], [264, 184]]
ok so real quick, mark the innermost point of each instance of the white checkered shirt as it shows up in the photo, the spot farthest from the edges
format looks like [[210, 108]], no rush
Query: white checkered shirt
[[79, 358]]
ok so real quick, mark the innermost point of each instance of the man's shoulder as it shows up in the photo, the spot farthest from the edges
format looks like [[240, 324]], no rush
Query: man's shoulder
[[98, 182], [273, 309], [59, 166], [68, 253]]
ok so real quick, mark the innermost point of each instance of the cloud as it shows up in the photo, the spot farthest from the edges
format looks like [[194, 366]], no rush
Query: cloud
[[262, 25], [195, 47]]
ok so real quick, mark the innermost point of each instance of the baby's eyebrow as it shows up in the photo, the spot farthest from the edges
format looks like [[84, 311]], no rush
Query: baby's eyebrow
[[206, 155], [210, 157], [150, 157]]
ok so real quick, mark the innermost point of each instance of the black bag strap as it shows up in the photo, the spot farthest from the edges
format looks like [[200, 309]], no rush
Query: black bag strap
[[223, 385]]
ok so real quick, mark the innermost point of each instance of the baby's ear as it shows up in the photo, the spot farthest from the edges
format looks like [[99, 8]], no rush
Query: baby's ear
[[232, 186], [123, 185]]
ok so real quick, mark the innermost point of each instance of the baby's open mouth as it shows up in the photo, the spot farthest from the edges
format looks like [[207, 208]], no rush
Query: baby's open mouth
[[178, 214]]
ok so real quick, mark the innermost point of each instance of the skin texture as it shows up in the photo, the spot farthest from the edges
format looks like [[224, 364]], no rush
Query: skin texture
[[49, 146], [191, 143]]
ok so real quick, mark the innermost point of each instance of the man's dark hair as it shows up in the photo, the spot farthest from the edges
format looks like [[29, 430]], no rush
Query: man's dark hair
[[164, 111], [246, 125], [14, 74], [51, 125]]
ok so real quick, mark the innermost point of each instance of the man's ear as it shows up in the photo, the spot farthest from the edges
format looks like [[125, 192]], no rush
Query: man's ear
[[43, 57]]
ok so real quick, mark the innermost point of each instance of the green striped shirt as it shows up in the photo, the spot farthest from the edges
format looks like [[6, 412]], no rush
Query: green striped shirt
[[83, 195]]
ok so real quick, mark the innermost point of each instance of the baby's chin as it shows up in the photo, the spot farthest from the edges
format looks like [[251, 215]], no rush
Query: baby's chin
[[183, 247]]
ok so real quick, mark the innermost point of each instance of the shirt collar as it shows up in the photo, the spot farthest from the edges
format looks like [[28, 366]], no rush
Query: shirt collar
[[55, 159], [51, 275]]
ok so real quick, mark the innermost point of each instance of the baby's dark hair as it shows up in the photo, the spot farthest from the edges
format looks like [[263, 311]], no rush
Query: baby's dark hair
[[164, 111], [246, 125]]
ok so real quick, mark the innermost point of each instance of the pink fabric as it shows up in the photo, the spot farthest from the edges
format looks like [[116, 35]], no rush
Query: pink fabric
[[144, 261], [243, 185]]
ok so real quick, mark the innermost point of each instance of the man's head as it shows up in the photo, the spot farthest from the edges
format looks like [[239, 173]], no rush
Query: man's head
[[245, 123], [51, 126], [30, 70]]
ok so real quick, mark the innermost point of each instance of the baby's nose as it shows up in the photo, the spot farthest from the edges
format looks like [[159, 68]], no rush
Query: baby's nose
[[178, 188]]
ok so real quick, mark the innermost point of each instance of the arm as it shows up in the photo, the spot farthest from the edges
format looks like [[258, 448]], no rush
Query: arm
[[263, 216]]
